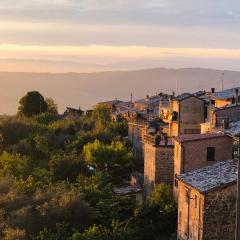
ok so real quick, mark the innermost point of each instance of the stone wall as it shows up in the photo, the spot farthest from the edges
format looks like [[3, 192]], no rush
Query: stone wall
[[189, 156], [232, 113], [190, 213], [158, 166], [136, 132], [195, 153], [191, 114], [220, 214], [206, 217]]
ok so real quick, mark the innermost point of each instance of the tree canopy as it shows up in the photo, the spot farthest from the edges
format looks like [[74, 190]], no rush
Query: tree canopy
[[57, 176], [32, 104]]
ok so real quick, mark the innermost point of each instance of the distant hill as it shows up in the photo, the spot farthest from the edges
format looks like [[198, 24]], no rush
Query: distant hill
[[85, 89]]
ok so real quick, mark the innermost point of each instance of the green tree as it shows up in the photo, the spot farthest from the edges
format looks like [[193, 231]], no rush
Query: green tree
[[32, 104], [13, 129], [14, 164], [66, 166], [52, 106], [102, 113], [61, 233], [114, 158], [156, 218]]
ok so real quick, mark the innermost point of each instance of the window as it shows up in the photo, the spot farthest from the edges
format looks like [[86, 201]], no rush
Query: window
[[192, 131], [174, 116], [205, 112], [211, 154], [176, 181], [195, 201], [187, 195]]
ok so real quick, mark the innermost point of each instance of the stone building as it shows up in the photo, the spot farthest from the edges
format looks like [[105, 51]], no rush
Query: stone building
[[158, 162], [186, 113], [150, 104], [220, 117], [193, 151], [137, 128], [225, 97], [207, 202]]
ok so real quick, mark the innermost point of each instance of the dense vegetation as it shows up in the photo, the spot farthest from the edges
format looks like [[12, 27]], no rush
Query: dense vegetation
[[57, 175]]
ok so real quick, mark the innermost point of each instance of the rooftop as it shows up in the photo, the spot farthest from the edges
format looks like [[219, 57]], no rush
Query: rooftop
[[183, 96], [196, 137], [225, 94], [234, 128], [127, 190], [112, 102], [212, 177]]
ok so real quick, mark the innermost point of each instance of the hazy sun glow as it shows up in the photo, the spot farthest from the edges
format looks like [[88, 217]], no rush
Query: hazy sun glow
[[118, 52]]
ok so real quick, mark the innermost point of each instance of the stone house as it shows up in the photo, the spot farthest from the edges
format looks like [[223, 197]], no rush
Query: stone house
[[225, 97], [193, 151], [207, 202], [186, 113], [158, 162], [150, 104], [137, 128], [220, 117], [112, 104], [221, 108]]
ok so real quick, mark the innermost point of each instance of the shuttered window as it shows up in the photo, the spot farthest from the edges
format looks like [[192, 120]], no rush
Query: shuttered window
[[211, 154]]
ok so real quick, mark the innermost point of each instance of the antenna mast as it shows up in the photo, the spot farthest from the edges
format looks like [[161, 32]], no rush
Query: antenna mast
[[222, 79]]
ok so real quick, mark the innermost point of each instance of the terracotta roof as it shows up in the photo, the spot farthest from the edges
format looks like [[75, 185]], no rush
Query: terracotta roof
[[196, 137], [211, 177]]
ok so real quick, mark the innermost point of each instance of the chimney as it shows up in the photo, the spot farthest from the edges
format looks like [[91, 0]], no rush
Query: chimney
[[213, 90], [236, 91], [225, 124]]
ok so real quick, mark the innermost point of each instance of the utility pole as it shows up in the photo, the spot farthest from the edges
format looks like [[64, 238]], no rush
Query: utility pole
[[222, 79], [237, 157]]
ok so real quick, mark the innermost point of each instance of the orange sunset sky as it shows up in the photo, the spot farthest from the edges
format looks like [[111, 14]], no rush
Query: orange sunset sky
[[119, 34]]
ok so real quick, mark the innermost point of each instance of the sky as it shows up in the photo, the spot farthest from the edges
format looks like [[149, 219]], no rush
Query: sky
[[120, 33]]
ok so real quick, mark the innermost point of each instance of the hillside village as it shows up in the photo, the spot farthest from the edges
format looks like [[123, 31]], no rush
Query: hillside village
[[189, 142]]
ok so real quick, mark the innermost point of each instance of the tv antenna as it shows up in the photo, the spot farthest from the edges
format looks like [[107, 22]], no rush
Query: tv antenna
[[222, 79]]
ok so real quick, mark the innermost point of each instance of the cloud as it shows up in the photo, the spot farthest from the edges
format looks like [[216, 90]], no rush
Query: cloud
[[164, 12], [94, 52], [154, 24]]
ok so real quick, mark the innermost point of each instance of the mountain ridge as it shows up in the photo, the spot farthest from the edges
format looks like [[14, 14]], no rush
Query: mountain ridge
[[86, 89]]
